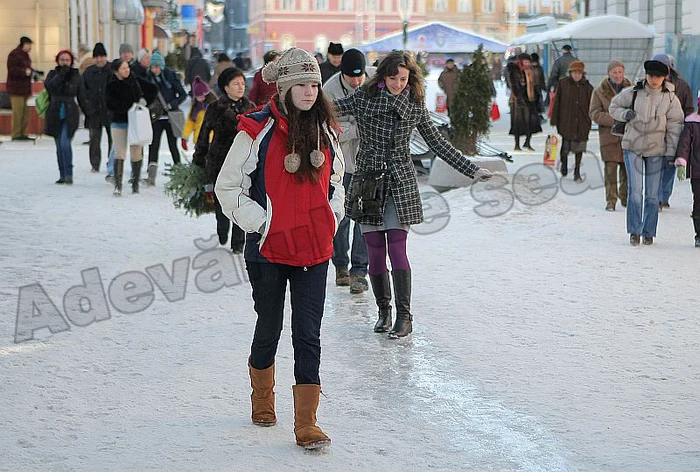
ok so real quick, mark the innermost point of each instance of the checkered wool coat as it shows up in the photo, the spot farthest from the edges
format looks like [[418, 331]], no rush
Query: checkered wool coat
[[376, 117]]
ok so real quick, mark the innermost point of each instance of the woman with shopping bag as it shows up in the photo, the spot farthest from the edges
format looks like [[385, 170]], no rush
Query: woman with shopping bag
[[120, 95]]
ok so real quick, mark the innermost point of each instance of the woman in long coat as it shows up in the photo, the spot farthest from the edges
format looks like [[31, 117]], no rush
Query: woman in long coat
[[64, 85], [610, 145], [387, 108], [524, 117], [570, 115], [218, 131]]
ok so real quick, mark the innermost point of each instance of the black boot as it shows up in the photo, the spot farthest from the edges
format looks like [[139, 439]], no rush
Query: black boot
[[382, 294], [517, 144], [696, 223], [118, 176], [577, 168], [402, 295], [564, 164], [527, 143], [135, 175]]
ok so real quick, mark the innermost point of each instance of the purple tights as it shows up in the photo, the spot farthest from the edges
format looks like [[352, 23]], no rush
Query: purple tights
[[377, 247]]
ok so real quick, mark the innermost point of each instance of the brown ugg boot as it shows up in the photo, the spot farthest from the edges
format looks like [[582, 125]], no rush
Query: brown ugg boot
[[309, 436], [263, 397]]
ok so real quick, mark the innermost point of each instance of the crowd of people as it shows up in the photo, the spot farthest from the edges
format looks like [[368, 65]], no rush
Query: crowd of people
[[319, 146]]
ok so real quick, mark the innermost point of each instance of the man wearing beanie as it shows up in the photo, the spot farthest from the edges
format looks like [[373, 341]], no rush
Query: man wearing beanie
[[261, 92], [654, 120], [332, 64], [353, 72], [560, 68], [126, 53], [285, 190], [19, 87], [95, 79], [685, 97], [448, 79]]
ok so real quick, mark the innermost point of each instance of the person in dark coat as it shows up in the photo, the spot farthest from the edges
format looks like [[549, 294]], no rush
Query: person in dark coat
[[685, 96], [688, 164], [447, 80], [126, 52], [261, 92], [570, 116], [173, 94], [19, 87], [221, 119], [524, 118], [332, 64], [125, 89], [539, 79], [196, 66], [388, 107], [560, 68], [95, 80], [64, 85]]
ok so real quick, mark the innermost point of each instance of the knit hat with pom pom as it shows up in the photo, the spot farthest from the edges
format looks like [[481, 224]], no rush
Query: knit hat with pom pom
[[295, 66]]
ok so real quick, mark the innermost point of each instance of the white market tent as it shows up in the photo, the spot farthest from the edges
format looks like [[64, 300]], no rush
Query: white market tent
[[597, 41]]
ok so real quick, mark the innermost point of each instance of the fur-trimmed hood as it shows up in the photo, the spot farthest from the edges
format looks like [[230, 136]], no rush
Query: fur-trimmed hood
[[608, 90]]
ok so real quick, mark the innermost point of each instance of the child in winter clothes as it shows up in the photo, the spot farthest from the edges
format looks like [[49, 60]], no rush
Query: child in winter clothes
[[203, 96], [688, 164]]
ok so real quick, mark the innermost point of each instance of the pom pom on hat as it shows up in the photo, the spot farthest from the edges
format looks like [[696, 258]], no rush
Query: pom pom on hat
[[199, 87]]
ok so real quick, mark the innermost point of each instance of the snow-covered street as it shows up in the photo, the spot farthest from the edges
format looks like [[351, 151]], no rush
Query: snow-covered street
[[542, 340]]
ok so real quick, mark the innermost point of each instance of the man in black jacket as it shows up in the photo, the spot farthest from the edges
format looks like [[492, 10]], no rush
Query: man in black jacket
[[333, 59], [95, 80], [197, 66], [173, 94]]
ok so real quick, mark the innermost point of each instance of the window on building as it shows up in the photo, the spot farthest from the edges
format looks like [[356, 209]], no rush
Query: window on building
[[679, 17], [533, 6], [440, 5], [288, 4], [627, 7], [464, 6], [286, 42], [557, 8], [370, 5], [320, 5], [650, 12], [346, 5], [488, 6]]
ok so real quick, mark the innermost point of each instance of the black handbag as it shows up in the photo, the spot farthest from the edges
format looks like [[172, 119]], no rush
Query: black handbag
[[618, 128], [368, 188], [368, 191]]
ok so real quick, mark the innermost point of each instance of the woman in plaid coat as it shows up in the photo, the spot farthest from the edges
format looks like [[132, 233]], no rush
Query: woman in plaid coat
[[387, 108]]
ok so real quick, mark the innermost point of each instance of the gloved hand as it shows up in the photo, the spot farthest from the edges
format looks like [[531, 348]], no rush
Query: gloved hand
[[680, 173], [482, 174], [183, 141], [629, 114]]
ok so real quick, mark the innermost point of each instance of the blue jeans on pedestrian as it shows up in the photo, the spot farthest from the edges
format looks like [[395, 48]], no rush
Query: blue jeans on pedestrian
[[64, 152], [307, 289], [110, 161], [644, 179], [668, 175], [341, 243]]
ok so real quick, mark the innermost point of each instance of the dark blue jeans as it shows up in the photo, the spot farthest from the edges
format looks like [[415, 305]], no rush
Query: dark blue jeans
[[668, 175], [307, 287], [64, 152], [341, 243]]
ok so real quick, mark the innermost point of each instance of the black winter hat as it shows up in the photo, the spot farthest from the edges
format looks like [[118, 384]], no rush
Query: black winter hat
[[226, 76], [656, 68], [99, 50], [335, 49], [353, 63]]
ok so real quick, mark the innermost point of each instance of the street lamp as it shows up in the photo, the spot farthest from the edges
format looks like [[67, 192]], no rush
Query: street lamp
[[405, 10]]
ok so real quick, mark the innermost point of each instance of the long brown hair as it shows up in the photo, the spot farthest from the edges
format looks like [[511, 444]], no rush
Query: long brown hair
[[304, 129], [389, 67]]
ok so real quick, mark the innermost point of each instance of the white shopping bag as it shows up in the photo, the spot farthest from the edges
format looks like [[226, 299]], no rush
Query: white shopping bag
[[140, 128]]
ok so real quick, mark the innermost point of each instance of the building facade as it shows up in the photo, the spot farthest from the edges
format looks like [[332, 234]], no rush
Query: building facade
[[668, 17]]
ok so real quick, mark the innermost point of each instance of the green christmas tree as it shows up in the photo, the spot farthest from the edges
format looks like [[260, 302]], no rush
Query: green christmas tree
[[470, 108]]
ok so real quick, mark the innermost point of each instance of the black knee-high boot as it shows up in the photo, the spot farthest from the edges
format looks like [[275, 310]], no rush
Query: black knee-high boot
[[527, 143], [402, 296], [577, 167], [696, 224], [564, 164], [517, 143], [382, 294]]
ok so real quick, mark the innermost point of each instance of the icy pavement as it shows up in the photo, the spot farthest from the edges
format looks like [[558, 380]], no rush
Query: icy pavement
[[542, 340]]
